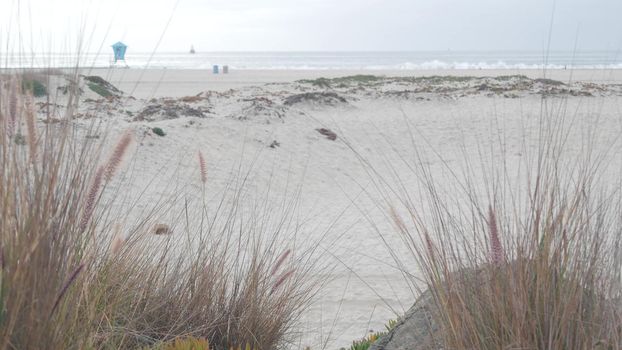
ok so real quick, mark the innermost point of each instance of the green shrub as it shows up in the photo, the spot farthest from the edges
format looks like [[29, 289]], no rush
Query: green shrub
[[158, 131], [100, 90], [35, 87]]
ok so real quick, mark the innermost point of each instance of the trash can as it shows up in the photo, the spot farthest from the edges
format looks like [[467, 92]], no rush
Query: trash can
[[215, 69], [225, 69]]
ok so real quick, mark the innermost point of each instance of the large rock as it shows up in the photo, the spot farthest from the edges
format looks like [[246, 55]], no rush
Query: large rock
[[417, 330]]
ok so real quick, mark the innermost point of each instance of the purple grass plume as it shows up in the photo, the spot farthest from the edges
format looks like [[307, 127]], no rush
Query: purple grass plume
[[117, 155], [280, 262], [91, 199], [279, 282], [66, 286], [496, 249]]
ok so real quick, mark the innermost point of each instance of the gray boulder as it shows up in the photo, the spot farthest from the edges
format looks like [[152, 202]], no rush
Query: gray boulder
[[416, 330]]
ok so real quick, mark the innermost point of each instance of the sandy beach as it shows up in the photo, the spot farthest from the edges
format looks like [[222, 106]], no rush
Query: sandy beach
[[179, 82], [293, 133]]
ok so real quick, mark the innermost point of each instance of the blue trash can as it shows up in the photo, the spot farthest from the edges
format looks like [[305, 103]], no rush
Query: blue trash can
[[215, 69]]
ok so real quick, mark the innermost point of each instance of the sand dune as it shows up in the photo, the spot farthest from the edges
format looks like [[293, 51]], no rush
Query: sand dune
[[307, 134]]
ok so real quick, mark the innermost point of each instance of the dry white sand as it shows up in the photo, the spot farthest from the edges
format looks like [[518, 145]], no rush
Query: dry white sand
[[338, 196]]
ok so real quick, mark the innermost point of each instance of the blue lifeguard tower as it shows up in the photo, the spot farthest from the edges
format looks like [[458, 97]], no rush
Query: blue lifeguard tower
[[119, 54]]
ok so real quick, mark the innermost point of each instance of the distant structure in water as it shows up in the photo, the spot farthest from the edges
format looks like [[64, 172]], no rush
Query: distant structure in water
[[119, 50], [192, 49]]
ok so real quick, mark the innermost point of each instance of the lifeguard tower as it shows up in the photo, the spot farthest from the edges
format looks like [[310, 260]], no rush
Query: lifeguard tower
[[119, 55]]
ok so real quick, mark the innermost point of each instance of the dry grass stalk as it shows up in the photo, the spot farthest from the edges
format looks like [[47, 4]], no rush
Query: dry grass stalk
[[550, 281], [280, 262], [13, 107], [32, 129], [282, 279]]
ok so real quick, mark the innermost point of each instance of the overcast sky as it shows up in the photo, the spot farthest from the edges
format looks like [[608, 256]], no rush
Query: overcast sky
[[328, 25]]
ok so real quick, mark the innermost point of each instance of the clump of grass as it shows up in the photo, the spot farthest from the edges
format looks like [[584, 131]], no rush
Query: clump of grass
[[74, 277], [101, 87], [532, 263], [361, 79]]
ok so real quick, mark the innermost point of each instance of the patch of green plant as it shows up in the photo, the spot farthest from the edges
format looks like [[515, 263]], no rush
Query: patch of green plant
[[20, 139], [438, 79], [342, 81], [100, 90], [35, 87], [365, 343], [511, 77], [158, 131], [100, 86], [96, 80], [192, 343], [547, 81], [189, 343]]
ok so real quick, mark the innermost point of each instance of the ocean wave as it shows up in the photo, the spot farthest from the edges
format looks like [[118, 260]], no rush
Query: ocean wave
[[311, 62]]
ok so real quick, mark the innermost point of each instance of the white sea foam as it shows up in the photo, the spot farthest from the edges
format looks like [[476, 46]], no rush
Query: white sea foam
[[330, 60]]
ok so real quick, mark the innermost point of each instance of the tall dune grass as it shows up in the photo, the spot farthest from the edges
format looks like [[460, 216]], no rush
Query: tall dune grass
[[73, 277], [528, 258]]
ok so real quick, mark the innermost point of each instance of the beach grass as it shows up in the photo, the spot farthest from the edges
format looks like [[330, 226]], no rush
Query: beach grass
[[517, 259], [75, 276]]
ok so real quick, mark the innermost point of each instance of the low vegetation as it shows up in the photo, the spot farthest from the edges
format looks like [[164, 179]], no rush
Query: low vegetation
[[158, 131], [341, 81], [34, 87], [101, 87], [366, 342], [74, 274], [528, 260]]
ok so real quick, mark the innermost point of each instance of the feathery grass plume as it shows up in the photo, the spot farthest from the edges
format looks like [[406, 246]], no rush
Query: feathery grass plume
[[117, 243], [397, 220], [279, 282], [91, 198], [496, 248], [280, 262], [66, 286], [117, 156], [401, 226], [203, 168]]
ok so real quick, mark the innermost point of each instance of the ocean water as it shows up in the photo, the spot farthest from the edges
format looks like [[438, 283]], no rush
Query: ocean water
[[330, 60]]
